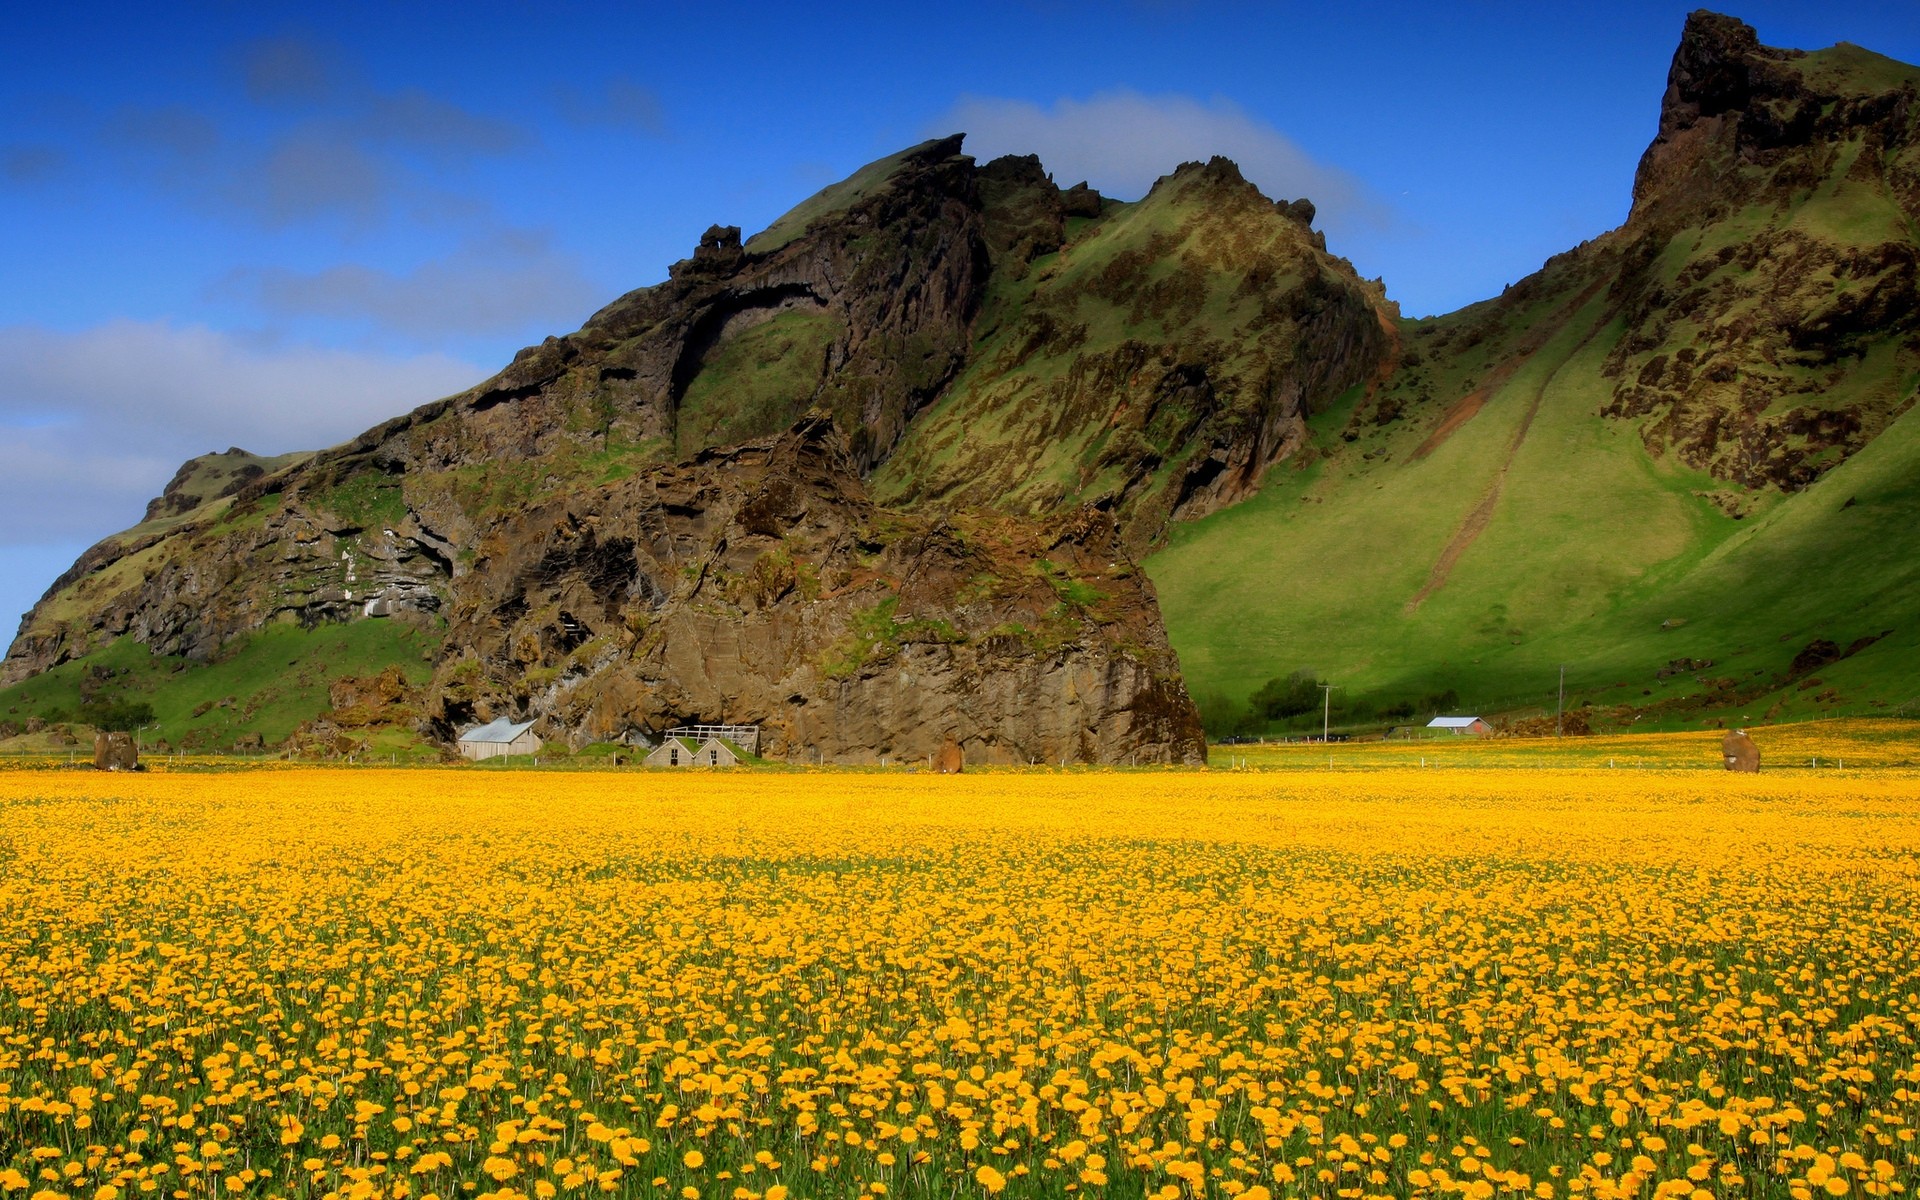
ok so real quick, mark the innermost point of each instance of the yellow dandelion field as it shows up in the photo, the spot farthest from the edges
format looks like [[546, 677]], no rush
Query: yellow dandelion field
[[357, 984]]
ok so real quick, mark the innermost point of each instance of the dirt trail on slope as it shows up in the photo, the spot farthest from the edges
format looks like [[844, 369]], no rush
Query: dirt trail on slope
[[1481, 515], [1468, 406], [1460, 412]]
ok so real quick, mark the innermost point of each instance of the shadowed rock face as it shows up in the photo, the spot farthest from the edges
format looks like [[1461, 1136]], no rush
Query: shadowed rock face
[[1770, 255], [887, 287], [1154, 365], [760, 585]]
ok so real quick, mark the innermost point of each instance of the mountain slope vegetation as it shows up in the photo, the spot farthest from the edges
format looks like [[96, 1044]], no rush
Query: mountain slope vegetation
[[1678, 461]]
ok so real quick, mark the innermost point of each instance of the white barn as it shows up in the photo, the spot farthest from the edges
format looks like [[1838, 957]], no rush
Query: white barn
[[498, 738]]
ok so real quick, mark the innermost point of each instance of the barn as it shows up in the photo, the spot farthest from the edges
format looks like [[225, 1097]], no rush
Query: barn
[[1460, 725], [498, 738]]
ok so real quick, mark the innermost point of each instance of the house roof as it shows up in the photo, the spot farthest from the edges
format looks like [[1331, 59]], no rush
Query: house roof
[[501, 730], [1452, 722]]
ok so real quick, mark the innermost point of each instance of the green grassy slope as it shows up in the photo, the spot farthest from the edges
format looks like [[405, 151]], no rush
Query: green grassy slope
[[1682, 459], [268, 684], [1400, 568]]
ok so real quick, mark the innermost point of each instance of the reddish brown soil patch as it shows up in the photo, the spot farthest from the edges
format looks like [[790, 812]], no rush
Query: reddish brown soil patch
[[1459, 413], [1482, 513]]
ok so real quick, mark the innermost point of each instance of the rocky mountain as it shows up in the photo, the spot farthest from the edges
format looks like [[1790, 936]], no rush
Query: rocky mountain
[[1680, 458], [760, 584], [1631, 459], [859, 309]]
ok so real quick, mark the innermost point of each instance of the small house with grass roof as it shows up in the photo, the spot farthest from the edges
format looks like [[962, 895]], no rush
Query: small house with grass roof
[[672, 752], [680, 750]]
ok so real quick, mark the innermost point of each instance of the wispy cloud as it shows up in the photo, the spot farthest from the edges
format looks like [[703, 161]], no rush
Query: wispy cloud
[[31, 163], [1121, 141], [334, 148], [620, 103], [97, 420], [416, 120], [289, 70], [496, 284]]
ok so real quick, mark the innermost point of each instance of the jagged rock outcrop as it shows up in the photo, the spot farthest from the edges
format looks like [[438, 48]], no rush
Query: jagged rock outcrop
[[761, 585], [865, 316], [1806, 167]]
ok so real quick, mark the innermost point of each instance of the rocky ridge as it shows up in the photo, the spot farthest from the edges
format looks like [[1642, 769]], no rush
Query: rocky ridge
[[759, 584]]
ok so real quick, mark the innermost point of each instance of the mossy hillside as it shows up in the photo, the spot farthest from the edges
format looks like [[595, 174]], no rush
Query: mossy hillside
[[206, 480], [1100, 369], [1598, 553], [757, 383], [1855, 70], [1711, 384], [269, 683]]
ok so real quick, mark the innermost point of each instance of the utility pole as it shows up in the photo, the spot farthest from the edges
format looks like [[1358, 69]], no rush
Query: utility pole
[[1326, 711], [1560, 706]]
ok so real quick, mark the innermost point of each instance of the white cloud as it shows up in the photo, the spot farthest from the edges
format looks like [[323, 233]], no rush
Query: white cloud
[[1121, 141], [499, 284], [620, 103], [93, 423]]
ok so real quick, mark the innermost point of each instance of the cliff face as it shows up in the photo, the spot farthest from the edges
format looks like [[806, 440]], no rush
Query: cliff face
[[760, 584], [1769, 277], [862, 307]]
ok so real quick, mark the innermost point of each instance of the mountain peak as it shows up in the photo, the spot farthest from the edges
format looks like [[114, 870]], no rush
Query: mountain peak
[[1734, 108], [1719, 66]]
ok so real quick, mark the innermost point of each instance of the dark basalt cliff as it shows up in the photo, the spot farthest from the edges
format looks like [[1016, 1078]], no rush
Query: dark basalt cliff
[[1767, 307], [759, 584]]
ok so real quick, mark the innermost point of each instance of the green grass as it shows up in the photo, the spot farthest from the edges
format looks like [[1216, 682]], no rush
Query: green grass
[[269, 683], [757, 382], [370, 499], [1592, 546], [1854, 70]]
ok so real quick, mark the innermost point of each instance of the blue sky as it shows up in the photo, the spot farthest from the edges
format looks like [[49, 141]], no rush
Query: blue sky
[[271, 226]]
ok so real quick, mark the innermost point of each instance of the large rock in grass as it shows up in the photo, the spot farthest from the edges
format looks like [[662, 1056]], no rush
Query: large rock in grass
[[1740, 753], [115, 752]]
